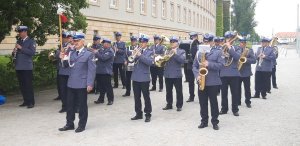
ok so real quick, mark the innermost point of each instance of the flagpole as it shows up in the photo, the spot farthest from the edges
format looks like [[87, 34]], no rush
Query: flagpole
[[60, 34]]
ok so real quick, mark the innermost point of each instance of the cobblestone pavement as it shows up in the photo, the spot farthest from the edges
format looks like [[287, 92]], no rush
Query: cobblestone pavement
[[271, 122]]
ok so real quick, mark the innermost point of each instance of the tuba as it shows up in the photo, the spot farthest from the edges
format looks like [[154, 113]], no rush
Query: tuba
[[243, 58], [161, 60], [202, 72], [228, 58]]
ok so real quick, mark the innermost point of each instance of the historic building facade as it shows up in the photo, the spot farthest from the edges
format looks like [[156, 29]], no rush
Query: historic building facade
[[131, 17]]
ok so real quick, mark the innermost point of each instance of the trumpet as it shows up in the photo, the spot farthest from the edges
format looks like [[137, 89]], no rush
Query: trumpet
[[202, 72], [136, 50], [89, 46], [243, 58]]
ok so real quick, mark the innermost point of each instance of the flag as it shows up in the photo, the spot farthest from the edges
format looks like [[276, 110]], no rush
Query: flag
[[64, 19]]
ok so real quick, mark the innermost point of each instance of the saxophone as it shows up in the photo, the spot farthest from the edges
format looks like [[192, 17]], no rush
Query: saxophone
[[202, 72], [243, 58]]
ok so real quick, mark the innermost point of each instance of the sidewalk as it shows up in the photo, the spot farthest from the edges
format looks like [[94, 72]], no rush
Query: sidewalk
[[271, 122]]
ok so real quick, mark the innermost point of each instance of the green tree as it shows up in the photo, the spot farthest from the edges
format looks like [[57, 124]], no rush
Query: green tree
[[219, 18], [40, 16], [243, 16], [226, 15]]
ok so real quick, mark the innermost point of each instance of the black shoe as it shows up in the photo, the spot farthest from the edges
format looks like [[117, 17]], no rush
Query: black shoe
[[77, 110], [148, 119], [126, 94], [152, 89], [160, 90], [239, 104], [255, 96], [222, 112], [236, 114], [110, 103], [30, 106], [269, 92], [190, 100], [167, 108], [216, 127], [123, 87], [275, 87], [23, 104], [57, 98], [65, 128], [179, 109], [98, 102], [79, 129], [249, 105], [264, 97], [62, 111], [137, 117], [202, 125]]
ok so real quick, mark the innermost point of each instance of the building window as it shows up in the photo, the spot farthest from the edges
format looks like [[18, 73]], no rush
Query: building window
[[143, 6], [184, 15], [190, 17], [178, 13], [129, 5], [114, 4], [172, 12], [194, 19], [94, 2], [197, 22], [154, 8], [164, 9]]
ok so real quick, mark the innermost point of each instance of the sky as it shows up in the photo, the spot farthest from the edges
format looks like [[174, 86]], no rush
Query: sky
[[276, 16]]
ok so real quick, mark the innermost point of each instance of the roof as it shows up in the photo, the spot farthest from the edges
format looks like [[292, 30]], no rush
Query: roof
[[286, 35]]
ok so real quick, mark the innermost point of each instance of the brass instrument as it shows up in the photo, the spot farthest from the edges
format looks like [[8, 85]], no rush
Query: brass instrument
[[202, 72], [51, 55], [273, 42], [161, 60], [163, 39], [136, 50], [228, 58], [89, 47], [243, 58]]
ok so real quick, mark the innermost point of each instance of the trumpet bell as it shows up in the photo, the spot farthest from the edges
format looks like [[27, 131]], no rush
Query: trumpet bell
[[243, 60], [51, 56], [130, 58]]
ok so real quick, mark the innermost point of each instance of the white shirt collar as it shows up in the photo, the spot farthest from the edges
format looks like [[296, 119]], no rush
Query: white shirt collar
[[24, 38], [80, 50]]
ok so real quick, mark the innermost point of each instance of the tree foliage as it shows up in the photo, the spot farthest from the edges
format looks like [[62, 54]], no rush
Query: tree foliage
[[226, 15], [243, 16], [40, 16], [219, 18]]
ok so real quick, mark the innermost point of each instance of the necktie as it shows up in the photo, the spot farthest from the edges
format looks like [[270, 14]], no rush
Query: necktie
[[77, 52]]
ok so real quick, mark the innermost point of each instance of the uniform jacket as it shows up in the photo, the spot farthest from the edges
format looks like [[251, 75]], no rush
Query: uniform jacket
[[24, 56], [105, 61], [141, 71], [120, 54], [266, 64], [173, 66], [215, 63], [232, 70], [245, 71]]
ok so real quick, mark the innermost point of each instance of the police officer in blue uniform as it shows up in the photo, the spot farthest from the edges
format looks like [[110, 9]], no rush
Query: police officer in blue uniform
[[96, 46], [213, 63], [118, 66], [129, 65], [66, 39], [173, 74], [246, 72], [141, 79], [80, 82], [189, 73], [158, 49], [274, 83], [24, 51], [63, 72], [230, 75], [104, 68], [264, 55], [219, 41]]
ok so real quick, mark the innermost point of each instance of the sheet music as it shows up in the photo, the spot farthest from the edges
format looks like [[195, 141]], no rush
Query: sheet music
[[204, 48]]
